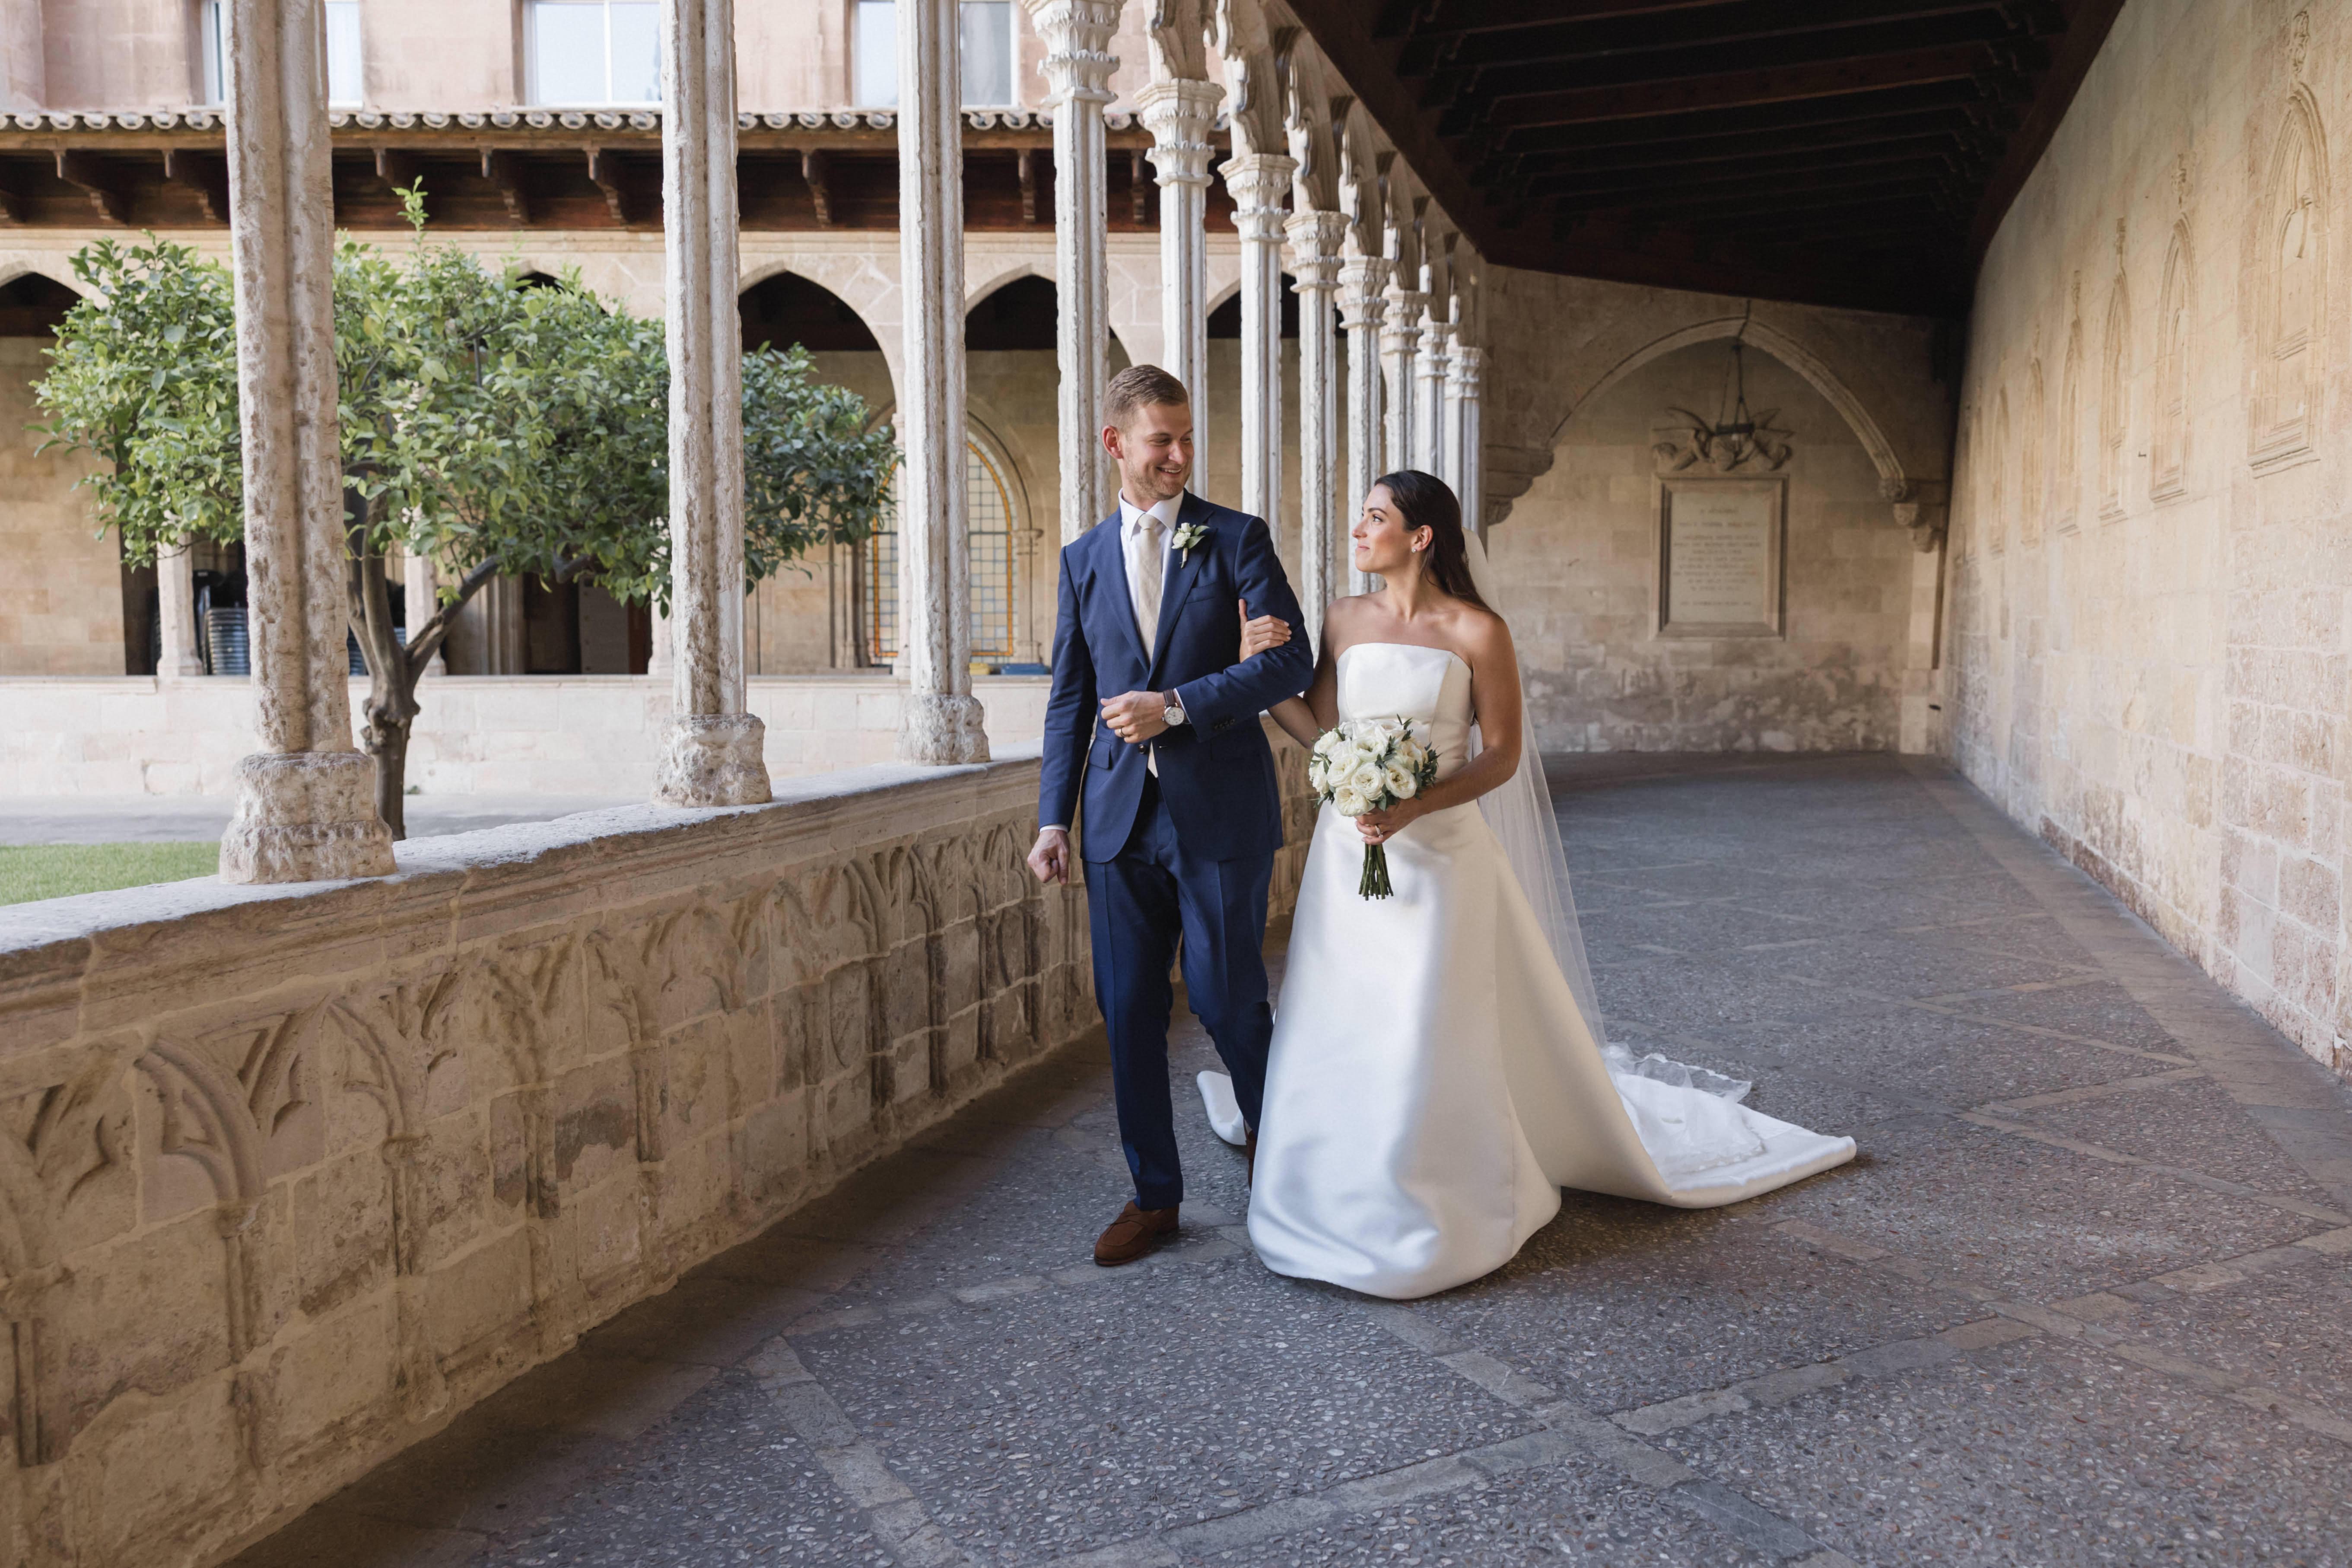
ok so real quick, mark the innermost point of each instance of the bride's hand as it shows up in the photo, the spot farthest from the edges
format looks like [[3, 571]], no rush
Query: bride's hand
[[1379, 827], [1266, 632]]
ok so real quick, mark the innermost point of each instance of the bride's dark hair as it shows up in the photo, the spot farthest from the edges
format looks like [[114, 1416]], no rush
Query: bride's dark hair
[[1428, 501]]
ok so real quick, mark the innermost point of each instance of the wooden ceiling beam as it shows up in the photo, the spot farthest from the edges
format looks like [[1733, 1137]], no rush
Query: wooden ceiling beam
[[1662, 158], [1942, 100], [1401, 20], [1754, 167], [204, 174], [1722, 202], [1636, 39], [1736, 89], [98, 182]]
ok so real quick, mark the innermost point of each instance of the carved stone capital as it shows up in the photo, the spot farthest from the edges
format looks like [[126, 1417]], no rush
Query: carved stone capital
[[1259, 180], [1362, 280], [305, 817], [1315, 248], [1078, 62], [1182, 115], [1462, 371], [713, 758], [1403, 328], [1927, 523]]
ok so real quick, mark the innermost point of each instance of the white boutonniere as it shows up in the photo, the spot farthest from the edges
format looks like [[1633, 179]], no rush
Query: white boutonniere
[[1190, 534]]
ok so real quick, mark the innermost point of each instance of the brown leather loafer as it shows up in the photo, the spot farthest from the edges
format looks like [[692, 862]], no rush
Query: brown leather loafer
[[1134, 1233]]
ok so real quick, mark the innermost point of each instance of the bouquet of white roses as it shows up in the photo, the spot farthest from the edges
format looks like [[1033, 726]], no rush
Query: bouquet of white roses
[[1371, 765]]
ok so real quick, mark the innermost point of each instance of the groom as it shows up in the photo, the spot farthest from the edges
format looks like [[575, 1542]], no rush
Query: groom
[[1152, 730]]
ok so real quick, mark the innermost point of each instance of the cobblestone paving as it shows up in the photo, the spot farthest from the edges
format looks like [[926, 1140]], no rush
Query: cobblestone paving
[[2085, 1297]]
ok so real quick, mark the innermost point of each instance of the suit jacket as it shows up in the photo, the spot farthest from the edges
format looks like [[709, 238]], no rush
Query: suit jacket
[[1216, 772]]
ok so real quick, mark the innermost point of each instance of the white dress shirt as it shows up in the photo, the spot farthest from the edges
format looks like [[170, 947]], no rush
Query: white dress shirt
[[1147, 573]]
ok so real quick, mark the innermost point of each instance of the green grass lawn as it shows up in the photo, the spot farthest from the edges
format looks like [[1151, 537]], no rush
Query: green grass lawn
[[29, 871]]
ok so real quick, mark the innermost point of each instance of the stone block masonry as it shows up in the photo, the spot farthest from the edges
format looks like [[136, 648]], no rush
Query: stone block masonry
[[291, 1175]]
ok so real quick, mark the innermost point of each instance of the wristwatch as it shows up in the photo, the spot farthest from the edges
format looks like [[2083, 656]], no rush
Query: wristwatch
[[1174, 712]]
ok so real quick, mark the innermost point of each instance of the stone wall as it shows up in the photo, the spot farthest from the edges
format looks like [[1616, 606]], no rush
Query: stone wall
[[289, 1176], [1580, 556], [535, 734], [62, 611], [2149, 624], [1571, 379]]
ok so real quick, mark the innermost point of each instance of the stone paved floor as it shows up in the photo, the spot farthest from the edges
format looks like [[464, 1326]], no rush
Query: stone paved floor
[[2086, 1296]]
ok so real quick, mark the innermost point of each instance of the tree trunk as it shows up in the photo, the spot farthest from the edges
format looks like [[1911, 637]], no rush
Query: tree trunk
[[392, 689], [394, 670]]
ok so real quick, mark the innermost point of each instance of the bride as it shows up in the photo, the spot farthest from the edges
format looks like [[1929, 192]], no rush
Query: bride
[[1438, 1070]]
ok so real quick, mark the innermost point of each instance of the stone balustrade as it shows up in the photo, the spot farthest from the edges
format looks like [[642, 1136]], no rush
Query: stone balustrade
[[291, 1174], [476, 734]]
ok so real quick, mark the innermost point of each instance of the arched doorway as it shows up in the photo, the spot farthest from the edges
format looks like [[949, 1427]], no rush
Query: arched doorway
[[96, 615], [810, 618]]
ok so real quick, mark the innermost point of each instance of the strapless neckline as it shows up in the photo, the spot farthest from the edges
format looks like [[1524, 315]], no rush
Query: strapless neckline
[[1425, 648]]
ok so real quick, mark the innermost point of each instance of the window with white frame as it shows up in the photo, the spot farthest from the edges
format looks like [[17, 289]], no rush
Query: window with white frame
[[984, 39], [346, 59], [587, 53]]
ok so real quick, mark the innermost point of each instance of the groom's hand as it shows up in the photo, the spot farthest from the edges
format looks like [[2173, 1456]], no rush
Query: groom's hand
[[1138, 717], [1049, 857]]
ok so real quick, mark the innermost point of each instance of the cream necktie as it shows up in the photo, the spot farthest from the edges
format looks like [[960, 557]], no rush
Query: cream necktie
[[1145, 561]]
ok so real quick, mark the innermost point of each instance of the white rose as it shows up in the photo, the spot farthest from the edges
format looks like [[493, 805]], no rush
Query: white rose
[[1401, 781], [1316, 778], [1413, 753], [1390, 729], [1366, 780], [1347, 760], [1348, 803], [1329, 742]]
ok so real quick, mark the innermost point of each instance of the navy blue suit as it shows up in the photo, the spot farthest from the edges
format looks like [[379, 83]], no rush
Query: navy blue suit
[[1192, 852]]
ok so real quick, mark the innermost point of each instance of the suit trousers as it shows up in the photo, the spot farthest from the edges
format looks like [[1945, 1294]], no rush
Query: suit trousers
[[1139, 904]]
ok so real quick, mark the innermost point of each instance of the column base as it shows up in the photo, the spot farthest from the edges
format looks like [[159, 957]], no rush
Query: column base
[[943, 732], [305, 817], [713, 758]]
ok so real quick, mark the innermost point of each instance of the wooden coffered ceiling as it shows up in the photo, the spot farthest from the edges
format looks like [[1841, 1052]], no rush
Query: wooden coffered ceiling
[[1854, 153]]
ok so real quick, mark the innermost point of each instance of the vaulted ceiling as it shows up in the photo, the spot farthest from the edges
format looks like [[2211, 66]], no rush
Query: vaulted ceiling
[[1856, 152]]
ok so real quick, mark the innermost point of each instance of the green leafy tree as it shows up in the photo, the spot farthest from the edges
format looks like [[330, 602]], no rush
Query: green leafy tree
[[489, 425]]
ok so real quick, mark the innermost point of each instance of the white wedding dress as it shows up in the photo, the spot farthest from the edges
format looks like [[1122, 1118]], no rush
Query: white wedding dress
[[1434, 1079]]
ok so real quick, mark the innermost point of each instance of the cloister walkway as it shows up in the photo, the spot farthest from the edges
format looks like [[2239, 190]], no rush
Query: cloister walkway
[[2083, 1299]]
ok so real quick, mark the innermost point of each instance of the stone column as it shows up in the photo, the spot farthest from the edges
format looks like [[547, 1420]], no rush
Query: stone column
[[1429, 398], [1400, 336], [1361, 305], [419, 592], [178, 657], [1181, 113], [1315, 262], [1258, 182], [1463, 459], [713, 753], [940, 720], [1078, 64], [306, 799]]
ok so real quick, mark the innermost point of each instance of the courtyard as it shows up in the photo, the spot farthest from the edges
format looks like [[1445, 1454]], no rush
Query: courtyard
[[2079, 1301]]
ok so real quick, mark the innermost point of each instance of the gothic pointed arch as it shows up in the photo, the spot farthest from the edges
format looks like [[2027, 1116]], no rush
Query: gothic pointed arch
[[2032, 494], [2066, 479], [1893, 482], [1997, 487], [2290, 336], [32, 304], [784, 308], [2168, 473], [2114, 399]]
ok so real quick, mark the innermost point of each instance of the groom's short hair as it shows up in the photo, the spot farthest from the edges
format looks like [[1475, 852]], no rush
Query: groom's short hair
[[1141, 386]]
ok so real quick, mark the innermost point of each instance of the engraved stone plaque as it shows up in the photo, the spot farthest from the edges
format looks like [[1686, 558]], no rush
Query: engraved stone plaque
[[1719, 557]]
